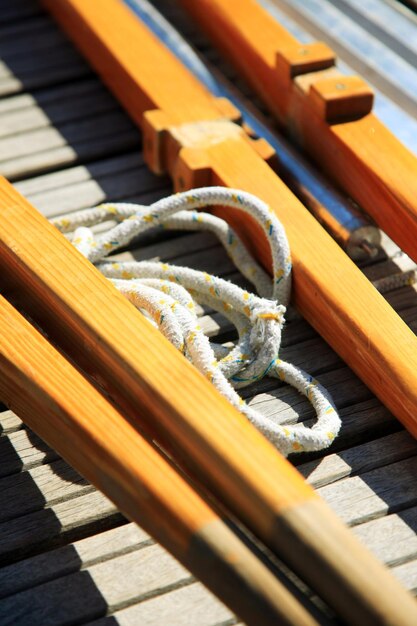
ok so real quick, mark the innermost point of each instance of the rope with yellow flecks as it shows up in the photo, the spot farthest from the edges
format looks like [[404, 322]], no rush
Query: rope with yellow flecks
[[169, 293]]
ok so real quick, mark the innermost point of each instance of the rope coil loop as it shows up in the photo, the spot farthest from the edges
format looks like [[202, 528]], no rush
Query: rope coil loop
[[169, 293]]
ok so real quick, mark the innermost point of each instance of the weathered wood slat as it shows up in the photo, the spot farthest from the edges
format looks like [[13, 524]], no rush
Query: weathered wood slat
[[45, 190], [63, 561], [88, 594], [57, 113], [187, 606], [35, 489], [359, 459], [45, 528], [66, 65], [46, 139], [43, 36], [46, 485], [22, 450], [407, 575], [9, 422], [69, 559], [375, 493], [391, 538]]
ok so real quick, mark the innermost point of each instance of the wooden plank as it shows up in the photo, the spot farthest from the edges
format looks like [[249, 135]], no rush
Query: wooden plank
[[57, 113], [359, 459], [22, 450], [407, 575], [86, 595], [57, 149], [391, 538], [9, 422], [187, 606], [49, 96], [39, 487], [45, 70], [38, 189], [375, 493], [47, 485], [71, 133], [43, 529], [71, 558], [133, 184], [41, 30]]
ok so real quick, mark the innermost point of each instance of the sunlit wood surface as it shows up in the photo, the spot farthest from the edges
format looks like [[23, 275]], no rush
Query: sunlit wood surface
[[67, 555]]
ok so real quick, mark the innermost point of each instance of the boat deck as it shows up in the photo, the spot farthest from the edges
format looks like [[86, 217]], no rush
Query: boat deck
[[67, 555]]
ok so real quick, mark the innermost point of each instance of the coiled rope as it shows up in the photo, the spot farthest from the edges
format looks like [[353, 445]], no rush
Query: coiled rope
[[168, 294]]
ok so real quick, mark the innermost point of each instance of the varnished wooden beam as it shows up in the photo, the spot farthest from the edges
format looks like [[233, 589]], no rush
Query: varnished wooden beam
[[60, 405], [329, 114]]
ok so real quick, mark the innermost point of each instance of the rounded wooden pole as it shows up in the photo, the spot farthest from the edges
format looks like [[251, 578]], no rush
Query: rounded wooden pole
[[54, 399], [105, 334]]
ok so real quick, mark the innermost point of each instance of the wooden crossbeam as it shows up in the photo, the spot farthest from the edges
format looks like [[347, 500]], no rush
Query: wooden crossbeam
[[330, 114]]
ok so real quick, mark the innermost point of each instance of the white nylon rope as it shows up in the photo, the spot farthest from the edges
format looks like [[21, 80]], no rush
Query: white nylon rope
[[168, 294]]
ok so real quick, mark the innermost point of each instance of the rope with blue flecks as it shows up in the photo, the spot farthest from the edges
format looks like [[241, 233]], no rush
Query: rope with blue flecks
[[168, 294]]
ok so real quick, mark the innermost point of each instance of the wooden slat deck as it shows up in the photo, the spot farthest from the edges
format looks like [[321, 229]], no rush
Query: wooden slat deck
[[67, 556]]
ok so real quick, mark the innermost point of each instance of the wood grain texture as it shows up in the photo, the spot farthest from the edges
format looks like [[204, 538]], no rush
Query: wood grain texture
[[68, 559], [180, 93], [365, 419], [261, 532], [187, 606], [117, 334], [54, 399], [328, 289], [361, 155], [151, 571]]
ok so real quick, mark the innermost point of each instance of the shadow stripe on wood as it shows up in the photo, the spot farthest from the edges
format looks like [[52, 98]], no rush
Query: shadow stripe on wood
[[71, 558], [66, 521], [90, 593]]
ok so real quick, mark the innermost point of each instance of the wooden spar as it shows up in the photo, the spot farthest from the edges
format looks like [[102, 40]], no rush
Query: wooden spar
[[60, 405], [199, 146], [329, 113], [106, 336]]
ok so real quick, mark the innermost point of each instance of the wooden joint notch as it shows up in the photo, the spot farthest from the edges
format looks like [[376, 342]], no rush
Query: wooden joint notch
[[334, 97], [296, 59], [340, 98], [182, 149]]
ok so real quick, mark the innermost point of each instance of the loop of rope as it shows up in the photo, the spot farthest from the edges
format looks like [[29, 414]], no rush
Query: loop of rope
[[168, 294]]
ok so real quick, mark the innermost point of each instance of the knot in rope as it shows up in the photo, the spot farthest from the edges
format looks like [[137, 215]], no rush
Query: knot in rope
[[267, 319], [169, 294]]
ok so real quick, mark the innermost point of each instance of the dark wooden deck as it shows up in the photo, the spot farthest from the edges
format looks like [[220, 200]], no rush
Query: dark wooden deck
[[67, 556]]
